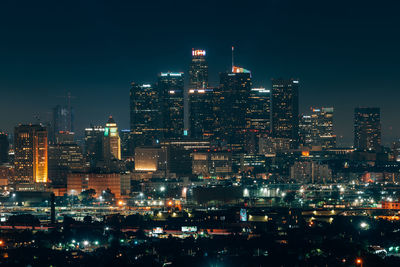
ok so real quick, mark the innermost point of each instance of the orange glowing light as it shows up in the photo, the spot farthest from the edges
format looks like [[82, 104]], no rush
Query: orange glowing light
[[358, 261], [305, 153]]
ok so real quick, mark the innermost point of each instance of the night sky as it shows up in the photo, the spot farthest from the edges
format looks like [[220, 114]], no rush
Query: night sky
[[345, 53]]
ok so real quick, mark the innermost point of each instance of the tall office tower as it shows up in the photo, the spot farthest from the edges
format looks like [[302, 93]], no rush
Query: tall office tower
[[64, 157], [234, 93], [111, 141], [4, 146], [145, 113], [127, 143], [30, 144], [171, 88], [317, 129], [305, 130], [198, 70], [94, 145], [201, 113], [259, 110], [367, 129], [64, 137], [285, 110], [63, 121]]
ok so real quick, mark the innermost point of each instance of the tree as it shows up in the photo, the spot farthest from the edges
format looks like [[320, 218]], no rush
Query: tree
[[87, 195], [107, 195], [289, 197]]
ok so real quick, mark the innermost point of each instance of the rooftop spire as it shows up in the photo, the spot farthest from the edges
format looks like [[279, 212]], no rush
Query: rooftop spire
[[233, 48]]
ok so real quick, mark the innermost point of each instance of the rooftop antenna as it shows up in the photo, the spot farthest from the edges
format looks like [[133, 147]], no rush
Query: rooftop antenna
[[68, 97], [37, 118], [233, 48]]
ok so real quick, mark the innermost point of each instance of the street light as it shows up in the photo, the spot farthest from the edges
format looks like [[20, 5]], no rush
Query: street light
[[359, 262], [363, 225]]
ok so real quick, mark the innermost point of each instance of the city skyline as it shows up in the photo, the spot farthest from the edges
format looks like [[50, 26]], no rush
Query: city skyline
[[199, 133], [59, 58]]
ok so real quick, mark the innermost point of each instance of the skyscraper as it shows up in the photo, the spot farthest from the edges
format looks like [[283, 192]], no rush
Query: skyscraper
[[94, 145], [4, 145], [127, 143], [259, 110], [234, 93], [317, 129], [145, 113], [198, 70], [285, 110], [64, 157], [171, 89], [201, 113], [111, 141], [30, 161], [367, 129], [63, 120]]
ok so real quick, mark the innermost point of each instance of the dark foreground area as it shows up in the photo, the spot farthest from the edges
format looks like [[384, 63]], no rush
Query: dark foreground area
[[339, 243]]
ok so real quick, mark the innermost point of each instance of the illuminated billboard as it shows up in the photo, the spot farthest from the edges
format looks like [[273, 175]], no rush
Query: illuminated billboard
[[196, 53], [239, 70], [158, 230], [243, 215], [189, 228]]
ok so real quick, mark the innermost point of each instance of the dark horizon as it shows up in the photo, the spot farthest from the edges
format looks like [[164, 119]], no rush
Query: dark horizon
[[344, 54]]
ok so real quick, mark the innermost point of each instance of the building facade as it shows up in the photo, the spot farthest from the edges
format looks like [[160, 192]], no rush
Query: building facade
[[201, 113], [310, 172], [145, 113], [316, 130], [64, 158], [367, 129], [285, 110], [78, 182], [171, 89], [63, 120], [31, 162], [198, 70], [4, 146], [111, 141], [234, 93], [94, 145], [259, 110]]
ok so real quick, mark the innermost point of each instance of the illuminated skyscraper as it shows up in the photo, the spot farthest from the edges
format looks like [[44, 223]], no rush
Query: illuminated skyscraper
[[201, 114], [234, 94], [171, 89], [367, 129], [285, 110], [111, 141], [145, 113], [259, 110], [317, 129], [198, 70], [30, 142]]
